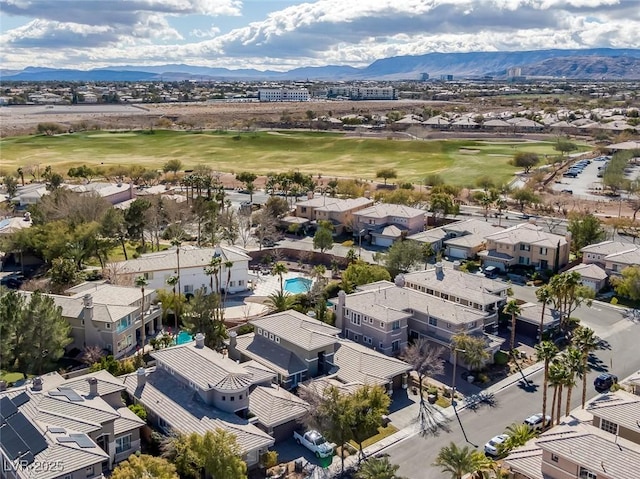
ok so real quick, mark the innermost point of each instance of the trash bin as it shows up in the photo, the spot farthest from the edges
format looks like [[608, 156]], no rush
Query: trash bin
[[298, 465], [470, 378]]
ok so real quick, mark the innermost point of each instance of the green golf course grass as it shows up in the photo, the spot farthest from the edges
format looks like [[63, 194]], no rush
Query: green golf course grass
[[329, 154]]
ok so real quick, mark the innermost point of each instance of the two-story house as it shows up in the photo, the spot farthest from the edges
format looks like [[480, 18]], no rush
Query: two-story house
[[385, 316], [604, 444], [339, 212], [469, 290], [386, 223], [195, 389], [79, 427], [615, 263], [299, 348], [596, 253], [108, 316], [157, 268], [526, 244]]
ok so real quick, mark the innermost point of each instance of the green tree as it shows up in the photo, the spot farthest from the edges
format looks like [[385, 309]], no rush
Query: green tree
[[136, 220], [518, 434], [586, 341], [526, 160], [564, 146], [572, 361], [556, 380], [456, 461], [11, 185], [280, 269], [204, 314], [144, 466], [112, 225], [63, 273], [248, 178], [174, 166], [585, 229], [280, 301], [567, 294], [402, 256], [378, 468], [386, 173], [369, 404], [475, 354], [175, 304], [442, 204], [545, 351], [543, 294], [34, 333], [85, 172], [514, 310], [360, 272], [628, 285], [323, 239], [525, 197], [142, 282]]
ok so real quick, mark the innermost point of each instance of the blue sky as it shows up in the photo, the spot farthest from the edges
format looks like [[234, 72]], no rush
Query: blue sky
[[285, 34]]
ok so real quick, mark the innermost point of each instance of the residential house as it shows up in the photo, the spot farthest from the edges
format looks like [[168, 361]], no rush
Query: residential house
[[299, 348], [526, 244], [79, 427], [591, 275], [114, 193], [465, 239], [528, 321], [108, 316], [384, 316], [337, 211], [193, 389], [596, 253], [158, 267], [615, 263], [600, 443], [466, 289], [386, 223], [29, 194]]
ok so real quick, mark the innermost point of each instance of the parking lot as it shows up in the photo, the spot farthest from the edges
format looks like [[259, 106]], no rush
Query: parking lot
[[586, 185]]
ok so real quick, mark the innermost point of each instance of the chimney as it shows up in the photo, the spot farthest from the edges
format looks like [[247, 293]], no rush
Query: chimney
[[200, 340], [342, 297], [367, 194], [568, 237], [141, 375], [456, 265], [439, 270], [3, 385], [233, 340], [309, 195], [87, 310], [93, 387], [36, 384], [399, 280]]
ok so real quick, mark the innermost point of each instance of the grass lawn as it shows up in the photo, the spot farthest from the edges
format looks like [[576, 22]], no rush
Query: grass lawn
[[382, 433], [330, 154], [11, 377]]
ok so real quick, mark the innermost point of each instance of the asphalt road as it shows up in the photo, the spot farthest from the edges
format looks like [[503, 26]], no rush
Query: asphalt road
[[416, 454]]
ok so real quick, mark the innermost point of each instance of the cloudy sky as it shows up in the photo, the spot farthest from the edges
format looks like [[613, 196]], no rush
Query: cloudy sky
[[284, 34]]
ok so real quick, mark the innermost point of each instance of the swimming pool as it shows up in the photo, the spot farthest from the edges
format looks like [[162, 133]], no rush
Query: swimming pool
[[183, 337], [297, 285]]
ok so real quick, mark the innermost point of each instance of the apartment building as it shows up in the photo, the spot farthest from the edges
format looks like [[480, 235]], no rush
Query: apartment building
[[526, 244], [283, 94]]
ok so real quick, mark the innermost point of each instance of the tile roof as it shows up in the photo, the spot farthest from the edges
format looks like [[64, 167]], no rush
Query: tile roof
[[471, 226], [527, 233], [183, 410], [190, 257], [607, 247], [429, 236], [272, 355], [128, 421], [341, 205], [466, 241], [620, 408], [355, 363], [107, 383], [391, 231], [204, 367], [630, 256], [590, 271], [384, 210], [274, 405], [526, 460], [299, 329]]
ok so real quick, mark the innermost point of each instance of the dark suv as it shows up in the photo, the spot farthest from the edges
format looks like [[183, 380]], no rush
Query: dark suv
[[604, 382]]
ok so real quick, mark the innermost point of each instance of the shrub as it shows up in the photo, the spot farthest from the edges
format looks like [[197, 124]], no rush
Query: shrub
[[245, 329], [501, 358], [483, 378], [139, 410], [347, 244], [269, 459]]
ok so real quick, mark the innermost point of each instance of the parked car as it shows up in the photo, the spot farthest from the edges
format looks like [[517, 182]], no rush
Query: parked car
[[491, 447], [604, 382], [491, 272], [570, 174], [569, 192], [314, 441], [536, 422]]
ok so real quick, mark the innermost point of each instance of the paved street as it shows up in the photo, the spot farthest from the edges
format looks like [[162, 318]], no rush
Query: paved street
[[513, 403]]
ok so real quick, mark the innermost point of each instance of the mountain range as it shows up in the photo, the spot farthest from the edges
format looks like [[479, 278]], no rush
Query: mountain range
[[594, 64]]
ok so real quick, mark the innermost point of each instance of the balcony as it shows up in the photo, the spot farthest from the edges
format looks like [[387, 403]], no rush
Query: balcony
[[150, 314]]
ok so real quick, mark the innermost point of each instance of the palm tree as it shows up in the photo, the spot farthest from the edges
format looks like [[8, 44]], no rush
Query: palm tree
[[556, 374], [545, 351], [173, 281], [280, 269], [319, 272], [377, 468], [141, 282], [455, 461], [280, 301], [544, 296], [586, 341], [228, 265], [519, 434], [514, 310], [212, 271], [177, 243], [572, 361]]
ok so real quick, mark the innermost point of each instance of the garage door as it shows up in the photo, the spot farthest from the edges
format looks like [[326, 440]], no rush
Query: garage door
[[384, 242], [497, 264], [457, 253]]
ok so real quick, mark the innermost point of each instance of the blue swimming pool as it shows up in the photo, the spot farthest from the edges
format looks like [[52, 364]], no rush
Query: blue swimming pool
[[297, 285], [183, 337]]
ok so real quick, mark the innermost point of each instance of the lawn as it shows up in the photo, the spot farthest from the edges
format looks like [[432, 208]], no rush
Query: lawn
[[382, 433], [330, 154], [11, 378]]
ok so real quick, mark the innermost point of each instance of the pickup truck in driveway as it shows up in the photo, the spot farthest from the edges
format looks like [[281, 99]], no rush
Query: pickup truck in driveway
[[314, 441]]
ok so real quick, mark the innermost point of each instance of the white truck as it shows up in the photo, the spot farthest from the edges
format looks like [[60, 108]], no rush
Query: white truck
[[314, 441]]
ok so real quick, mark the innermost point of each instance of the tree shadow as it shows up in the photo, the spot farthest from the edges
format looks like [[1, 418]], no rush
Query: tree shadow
[[596, 364], [528, 386], [475, 401], [604, 344], [431, 420]]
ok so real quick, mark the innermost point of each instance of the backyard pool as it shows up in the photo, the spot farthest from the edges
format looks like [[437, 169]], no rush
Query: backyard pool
[[183, 337], [297, 285]]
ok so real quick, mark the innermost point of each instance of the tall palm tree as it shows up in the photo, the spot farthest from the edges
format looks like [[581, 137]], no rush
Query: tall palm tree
[[177, 243], [519, 434], [212, 271], [173, 281], [455, 461], [572, 360], [280, 269], [556, 375], [141, 282], [228, 265], [544, 296], [514, 310], [586, 341], [545, 351]]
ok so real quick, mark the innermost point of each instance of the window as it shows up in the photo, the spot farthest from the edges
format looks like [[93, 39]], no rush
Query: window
[[271, 336], [224, 398], [356, 337], [68, 476], [148, 276], [123, 443], [523, 260], [396, 325], [554, 458], [188, 288], [382, 324], [108, 325], [259, 330], [232, 398], [278, 339], [587, 474], [232, 284], [395, 345], [240, 397], [241, 282], [381, 345], [525, 247], [89, 471], [543, 251], [433, 321], [608, 426]]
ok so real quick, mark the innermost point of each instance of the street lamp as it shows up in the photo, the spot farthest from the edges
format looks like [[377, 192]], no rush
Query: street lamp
[[453, 379], [360, 241]]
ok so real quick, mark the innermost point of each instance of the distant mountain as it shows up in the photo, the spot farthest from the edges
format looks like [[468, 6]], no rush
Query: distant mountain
[[593, 63]]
